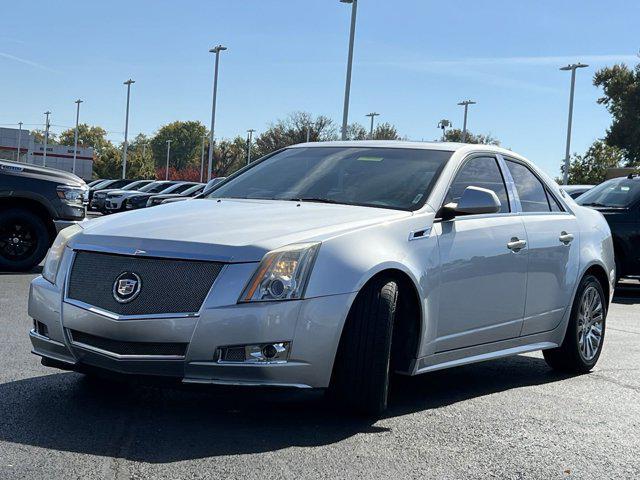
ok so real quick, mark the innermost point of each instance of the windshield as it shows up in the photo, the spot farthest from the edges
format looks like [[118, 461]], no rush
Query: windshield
[[193, 190], [135, 185], [154, 187], [614, 193], [102, 184], [398, 178]]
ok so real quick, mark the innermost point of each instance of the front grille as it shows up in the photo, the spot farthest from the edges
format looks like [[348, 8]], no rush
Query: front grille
[[167, 285], [129, 348]]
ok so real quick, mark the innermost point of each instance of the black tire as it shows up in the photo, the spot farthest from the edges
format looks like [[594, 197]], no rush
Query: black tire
[[24, 240], [568, 357], [360, 380]]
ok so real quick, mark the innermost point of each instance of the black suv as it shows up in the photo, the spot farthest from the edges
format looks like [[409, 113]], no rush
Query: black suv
[[618, 200], [35, 204]]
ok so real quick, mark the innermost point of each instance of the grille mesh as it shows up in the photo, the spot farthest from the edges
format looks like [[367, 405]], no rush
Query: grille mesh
[[129, 348], [168, 285]]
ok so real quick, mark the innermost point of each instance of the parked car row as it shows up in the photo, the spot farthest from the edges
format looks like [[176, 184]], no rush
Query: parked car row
[[111, 196]]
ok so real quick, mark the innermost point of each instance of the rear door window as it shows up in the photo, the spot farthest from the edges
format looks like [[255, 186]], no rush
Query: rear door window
[[533, 196]]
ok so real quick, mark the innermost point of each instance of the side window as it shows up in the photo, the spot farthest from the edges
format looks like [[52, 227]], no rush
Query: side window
[[553, 203], [479, 172], [533, 197]]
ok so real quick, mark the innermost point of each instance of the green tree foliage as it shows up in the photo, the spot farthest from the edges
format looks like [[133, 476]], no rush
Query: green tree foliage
[[38, 136], [140, 159], [229, 156], [186, 138], [385, 131], [109, 163], [292, 130], [621, 88], [591, 168], [88, 136], [455, 135]]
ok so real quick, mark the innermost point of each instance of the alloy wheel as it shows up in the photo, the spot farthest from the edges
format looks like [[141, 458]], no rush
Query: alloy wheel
[[590, 323]]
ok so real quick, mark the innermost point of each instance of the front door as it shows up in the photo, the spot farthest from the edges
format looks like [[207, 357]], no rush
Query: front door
[[483, 266]]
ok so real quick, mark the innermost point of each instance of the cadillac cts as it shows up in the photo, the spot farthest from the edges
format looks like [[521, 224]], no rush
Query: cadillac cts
[[334, 265]]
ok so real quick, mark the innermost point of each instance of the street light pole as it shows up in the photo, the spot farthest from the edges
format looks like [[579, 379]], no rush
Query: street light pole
[[46, 138], [347, 87], [75, 136], [573, 67], [204, 137], [372, 115], [466, 104], [249, 140], [126, 129], [168, 151], [19, 140], [217, 49]]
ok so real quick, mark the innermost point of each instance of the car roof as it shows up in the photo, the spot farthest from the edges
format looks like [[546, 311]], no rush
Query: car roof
[[442, 146]]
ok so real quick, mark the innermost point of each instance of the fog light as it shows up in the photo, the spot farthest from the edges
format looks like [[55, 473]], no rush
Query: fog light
[[261, 353]]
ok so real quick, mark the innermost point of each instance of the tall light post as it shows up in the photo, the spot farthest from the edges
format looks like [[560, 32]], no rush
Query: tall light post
[[347, 87], [466, 104], [126, 129], [249, 140], [573, 67], [217, 49], [444, 124], [372, 115], [75, 136], [204, 138], [46, 137], [168, 152], [19, 140]]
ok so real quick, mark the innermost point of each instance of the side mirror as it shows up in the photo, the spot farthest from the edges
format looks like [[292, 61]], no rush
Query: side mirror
[[474, 201]]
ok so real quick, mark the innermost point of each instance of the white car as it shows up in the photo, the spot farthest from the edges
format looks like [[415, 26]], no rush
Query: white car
[[332, 265], [115, 200]]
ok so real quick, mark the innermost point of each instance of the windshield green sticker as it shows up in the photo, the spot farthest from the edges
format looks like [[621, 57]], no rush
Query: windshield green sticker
[[370, 159]]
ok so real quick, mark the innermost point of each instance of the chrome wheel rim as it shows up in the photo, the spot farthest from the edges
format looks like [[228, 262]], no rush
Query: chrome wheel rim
[[590, 323]]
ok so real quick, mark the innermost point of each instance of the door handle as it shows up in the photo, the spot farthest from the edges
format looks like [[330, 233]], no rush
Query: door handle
[[566, 238], [516, 244]]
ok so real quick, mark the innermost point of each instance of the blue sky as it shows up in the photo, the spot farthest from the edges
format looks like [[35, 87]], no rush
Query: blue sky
[[414, 60]]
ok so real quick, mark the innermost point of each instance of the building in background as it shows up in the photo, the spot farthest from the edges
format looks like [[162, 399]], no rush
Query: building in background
[[58, 156]]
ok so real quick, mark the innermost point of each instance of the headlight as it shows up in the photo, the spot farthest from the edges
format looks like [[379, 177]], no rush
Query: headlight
[[71, 194], [282, 274], [52, 262]]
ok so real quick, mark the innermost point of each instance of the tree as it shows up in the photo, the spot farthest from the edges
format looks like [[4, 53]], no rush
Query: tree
[[621, 87], [88, 136], [591, 168], [455, 135], [355, 131], [292, 130], [386, 131], [38, 136], [109, 163], [186, 138], [140, 159], [229, 156]]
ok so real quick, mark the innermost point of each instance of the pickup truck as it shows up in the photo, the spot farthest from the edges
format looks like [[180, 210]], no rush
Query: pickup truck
[[35, 204]]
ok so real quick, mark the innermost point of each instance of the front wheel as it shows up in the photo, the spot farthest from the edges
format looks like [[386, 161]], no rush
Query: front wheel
[[582, 344], [24, 240], [360, 378]]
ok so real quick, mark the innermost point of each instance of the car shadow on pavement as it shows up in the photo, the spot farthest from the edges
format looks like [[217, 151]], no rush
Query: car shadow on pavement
[[627, 292], [37, 270], [68, 412]]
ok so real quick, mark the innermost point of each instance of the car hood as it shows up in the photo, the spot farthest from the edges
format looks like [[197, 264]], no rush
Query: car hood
[[126, 193], [226, 230]]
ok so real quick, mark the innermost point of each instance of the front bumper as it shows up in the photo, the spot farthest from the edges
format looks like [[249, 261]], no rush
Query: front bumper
[[313, 326]]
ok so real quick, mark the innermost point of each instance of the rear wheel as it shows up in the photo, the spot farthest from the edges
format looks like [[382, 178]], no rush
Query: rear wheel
[[24, 240], [582, 344], [360, 378]]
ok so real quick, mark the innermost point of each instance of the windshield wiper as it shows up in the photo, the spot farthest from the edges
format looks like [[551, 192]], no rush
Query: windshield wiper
[[309, 199]]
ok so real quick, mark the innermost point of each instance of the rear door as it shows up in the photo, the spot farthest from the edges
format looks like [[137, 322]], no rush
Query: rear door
[[553, 244]]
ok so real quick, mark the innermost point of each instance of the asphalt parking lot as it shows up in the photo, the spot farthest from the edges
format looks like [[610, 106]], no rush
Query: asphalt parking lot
[[511, 418]]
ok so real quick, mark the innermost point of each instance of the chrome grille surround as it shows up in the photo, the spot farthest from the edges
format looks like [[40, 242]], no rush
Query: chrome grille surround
[[171, 287]]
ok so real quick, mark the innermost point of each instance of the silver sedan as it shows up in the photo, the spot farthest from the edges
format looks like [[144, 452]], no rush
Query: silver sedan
[[334, 266]]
